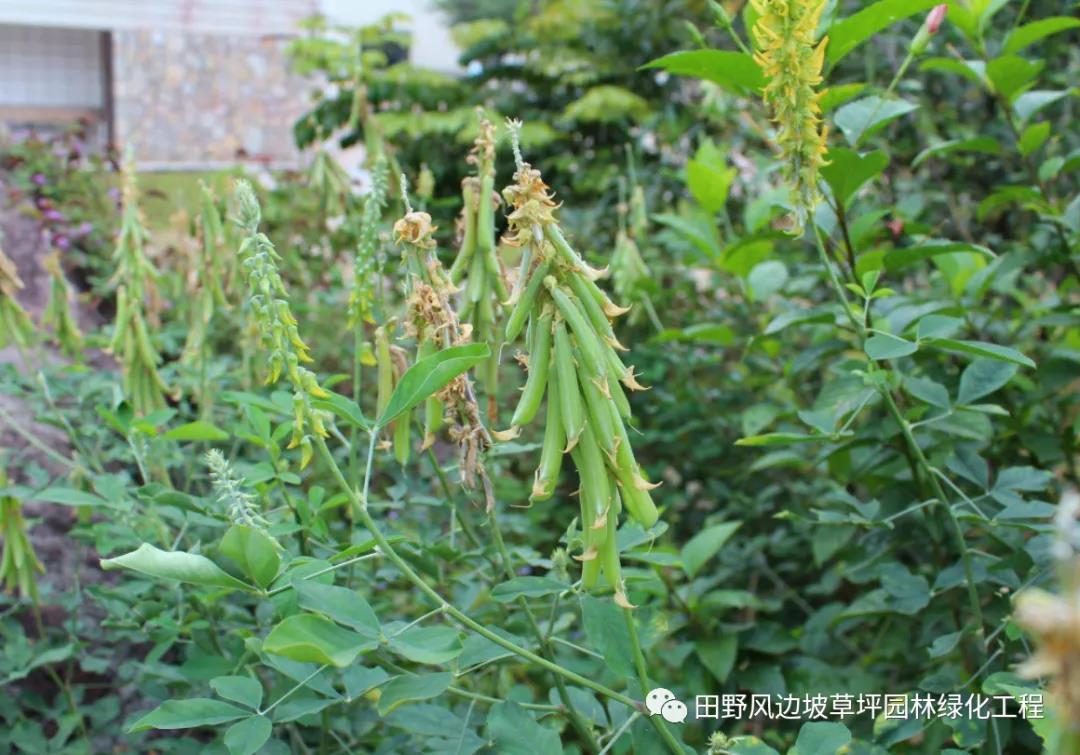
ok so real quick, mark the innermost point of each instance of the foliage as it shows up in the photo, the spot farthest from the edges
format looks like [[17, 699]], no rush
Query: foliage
[[862, 427]]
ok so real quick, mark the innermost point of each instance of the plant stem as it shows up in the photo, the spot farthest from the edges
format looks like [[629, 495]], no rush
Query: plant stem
[[954, 524], [543, 641], [917, 453], [359, 503], [658, 722]]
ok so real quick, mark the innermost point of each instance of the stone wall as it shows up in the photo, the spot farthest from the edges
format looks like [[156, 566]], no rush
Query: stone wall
[[189, 100]]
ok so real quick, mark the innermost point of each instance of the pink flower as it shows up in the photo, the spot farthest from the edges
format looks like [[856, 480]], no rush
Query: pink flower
[[936, 18]]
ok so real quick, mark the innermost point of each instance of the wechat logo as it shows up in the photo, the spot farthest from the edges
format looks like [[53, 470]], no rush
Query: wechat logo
[[662, 702]]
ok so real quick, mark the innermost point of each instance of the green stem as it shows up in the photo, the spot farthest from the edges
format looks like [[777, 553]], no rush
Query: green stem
[[359, 503], [954, 524], [543, 641], [40, 445], [658, 722]]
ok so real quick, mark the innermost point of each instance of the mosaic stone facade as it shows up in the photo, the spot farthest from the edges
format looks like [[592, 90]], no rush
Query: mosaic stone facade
[[201, 100]]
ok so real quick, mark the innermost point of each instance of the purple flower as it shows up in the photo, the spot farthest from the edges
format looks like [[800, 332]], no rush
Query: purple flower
[[43, 203], [84, 228], [524, 571], [62, 243], [392, 515], [114, 193], [53, 215], [38, 179]]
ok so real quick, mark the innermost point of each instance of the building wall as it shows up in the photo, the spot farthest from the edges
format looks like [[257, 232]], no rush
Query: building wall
[[253, 17], [195, 84], [198, 100]]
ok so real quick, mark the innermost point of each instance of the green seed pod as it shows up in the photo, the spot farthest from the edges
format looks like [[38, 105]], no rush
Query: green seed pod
[[610, 308], [474, 287], [468, 240], [385, 368], [593, 311], [524, 266], [618, 396], [525, 303], [609, 560], [592, 355], [572, 258], [539, 360], [485, 219], [498, 283], [569, 395], [595, 490], [633, 487], [433, 406], [603, 416], [403, 437], [547, 473], [590, 573]]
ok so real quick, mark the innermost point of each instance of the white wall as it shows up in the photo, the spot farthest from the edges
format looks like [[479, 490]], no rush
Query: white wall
[[244, 17], [55, 68]]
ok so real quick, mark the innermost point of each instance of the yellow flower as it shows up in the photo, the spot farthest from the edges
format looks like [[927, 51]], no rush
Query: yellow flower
[[792, 65]]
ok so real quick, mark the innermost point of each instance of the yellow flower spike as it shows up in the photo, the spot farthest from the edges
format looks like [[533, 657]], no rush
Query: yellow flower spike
[[792, 62]]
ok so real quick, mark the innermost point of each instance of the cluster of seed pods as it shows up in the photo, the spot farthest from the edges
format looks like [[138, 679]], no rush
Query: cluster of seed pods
[[573, 359], [477, 269]]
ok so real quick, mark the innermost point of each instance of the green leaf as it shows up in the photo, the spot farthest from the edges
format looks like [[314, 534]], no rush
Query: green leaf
[[937, 326], [863, 117], [898, 259], [1029, 103], [718, 655], [986, 145], [312, 639], [1033, 137], [766, 278], [253, 551], [71, 497], [344, 408], [187, 714], [429, 375], [944, 644], [529, 587], [927, 391], [709, 177], [972, 16], [705, 545], [983, 349], [982, 377], [847, 171], [1010, 75], [431, 645], [821, 738], [240, 689], [972, 70], [341, 604], [411, 688], [197, 430], [885, 346], [735, 71], [834, 97], [846, 35], [606, 630], [183, 567], [800, 316], [1031, 33], [247, 737], [515, 732]]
